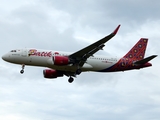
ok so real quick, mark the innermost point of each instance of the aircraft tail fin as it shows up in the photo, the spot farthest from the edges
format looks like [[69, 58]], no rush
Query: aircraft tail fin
[[138, 50], [145, 60]]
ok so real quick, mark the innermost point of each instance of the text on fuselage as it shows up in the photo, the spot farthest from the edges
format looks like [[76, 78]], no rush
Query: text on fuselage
[[34, 52]]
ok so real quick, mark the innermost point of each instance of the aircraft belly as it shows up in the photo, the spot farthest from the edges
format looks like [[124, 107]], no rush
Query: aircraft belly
[[90, 65], [71, 68], [63, 68]]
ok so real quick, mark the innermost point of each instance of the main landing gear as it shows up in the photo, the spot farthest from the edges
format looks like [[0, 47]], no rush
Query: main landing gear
[[77, 72], [70, 80], [22, 71]]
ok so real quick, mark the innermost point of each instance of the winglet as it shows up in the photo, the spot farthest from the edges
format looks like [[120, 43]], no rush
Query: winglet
[[116, 30]]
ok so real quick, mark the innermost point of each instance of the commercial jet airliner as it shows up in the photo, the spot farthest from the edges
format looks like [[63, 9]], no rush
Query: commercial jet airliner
[[72, 64]]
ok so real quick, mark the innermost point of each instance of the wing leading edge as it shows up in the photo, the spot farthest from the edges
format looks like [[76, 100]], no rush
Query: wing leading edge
[[81, 56]]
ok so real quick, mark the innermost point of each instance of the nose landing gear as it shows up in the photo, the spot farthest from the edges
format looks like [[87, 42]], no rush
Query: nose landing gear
[[22, 71]]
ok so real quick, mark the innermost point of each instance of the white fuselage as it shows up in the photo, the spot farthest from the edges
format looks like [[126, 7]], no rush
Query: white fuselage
[[44, 58]]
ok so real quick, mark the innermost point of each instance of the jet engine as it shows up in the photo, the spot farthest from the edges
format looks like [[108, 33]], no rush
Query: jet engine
[[61, 60], [49, 73]]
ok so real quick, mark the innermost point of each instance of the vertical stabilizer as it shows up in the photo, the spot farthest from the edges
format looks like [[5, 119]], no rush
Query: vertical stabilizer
[[138, 51]]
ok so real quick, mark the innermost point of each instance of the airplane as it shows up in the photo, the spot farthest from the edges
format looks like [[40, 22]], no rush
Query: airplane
[[72, 64]]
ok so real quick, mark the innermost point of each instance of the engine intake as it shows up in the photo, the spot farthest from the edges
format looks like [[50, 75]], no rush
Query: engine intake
[[49, 73]]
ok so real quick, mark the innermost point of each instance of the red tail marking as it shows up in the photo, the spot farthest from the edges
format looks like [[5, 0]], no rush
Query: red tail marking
[[116, 30], [138, 51]]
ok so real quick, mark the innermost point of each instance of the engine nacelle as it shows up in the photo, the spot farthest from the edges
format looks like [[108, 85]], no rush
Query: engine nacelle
[[49, 73], [60, 60]]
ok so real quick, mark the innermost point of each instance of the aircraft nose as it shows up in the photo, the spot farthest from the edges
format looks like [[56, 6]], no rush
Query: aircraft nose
[[5, 57]]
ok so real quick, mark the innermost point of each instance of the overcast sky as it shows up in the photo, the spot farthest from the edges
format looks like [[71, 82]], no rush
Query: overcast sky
[[70, 25]]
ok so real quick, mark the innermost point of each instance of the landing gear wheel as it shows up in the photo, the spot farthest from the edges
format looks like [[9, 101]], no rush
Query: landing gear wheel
[[78, 71], [22, 71], [70, 80]]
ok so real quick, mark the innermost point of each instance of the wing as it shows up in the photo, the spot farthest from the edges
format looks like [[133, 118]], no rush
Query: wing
[[81, 56]]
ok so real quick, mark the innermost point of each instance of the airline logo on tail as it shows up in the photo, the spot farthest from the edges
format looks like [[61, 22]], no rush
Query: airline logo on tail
[[134, 59], [138, 51]]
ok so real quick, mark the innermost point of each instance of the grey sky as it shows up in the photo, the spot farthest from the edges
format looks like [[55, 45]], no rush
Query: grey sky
[[69, 26]]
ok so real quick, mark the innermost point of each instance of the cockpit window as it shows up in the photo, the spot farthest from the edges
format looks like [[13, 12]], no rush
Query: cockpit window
[[13, 50]]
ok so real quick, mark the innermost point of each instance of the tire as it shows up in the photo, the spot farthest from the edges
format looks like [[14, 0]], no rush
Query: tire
[[22, 71], [70, 80]]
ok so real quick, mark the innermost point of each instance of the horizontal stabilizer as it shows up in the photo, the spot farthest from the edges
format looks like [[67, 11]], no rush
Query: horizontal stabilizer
[[145, 60]]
